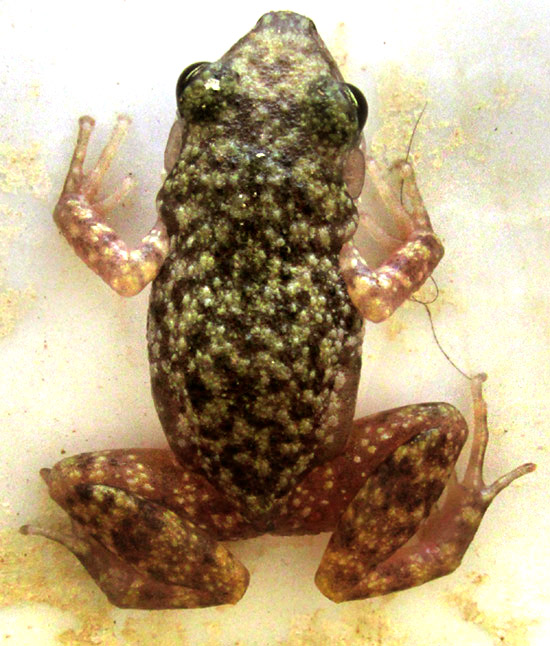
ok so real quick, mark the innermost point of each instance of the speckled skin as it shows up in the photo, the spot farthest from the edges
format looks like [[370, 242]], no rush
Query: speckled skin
[[253, 340], [255, 330]]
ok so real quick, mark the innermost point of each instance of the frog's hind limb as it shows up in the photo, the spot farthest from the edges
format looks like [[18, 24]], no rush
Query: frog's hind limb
[[144, 532], [80, 218], [371, 553]]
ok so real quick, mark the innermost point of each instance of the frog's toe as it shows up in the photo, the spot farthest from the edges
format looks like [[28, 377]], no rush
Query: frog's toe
[[74, 544], [45, 474], [473, 484]]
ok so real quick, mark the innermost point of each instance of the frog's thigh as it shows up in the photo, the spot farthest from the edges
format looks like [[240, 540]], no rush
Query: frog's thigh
[[398, 495], [126, 533]]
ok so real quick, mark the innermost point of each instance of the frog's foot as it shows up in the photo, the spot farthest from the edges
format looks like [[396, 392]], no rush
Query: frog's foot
[[140, 553], [364, 560], [80, 217], [413, 254]]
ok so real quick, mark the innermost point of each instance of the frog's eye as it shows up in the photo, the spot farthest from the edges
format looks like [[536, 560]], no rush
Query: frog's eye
[[187, 76], [204, 91], [361, 105]]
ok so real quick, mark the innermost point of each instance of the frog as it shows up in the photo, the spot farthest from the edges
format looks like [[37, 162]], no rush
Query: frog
[[258, 307]]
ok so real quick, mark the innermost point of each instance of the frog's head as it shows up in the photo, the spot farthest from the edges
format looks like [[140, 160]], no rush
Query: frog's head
[[277, 85]]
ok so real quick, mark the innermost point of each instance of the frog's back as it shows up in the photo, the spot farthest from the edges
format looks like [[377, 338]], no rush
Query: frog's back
[[254, 343]]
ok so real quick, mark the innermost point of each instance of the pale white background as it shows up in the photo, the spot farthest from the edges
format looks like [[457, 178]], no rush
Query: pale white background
[[74, 374]]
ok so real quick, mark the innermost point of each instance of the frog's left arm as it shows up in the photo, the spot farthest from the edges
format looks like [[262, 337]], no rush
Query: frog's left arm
[[378, 292], [79, 216]]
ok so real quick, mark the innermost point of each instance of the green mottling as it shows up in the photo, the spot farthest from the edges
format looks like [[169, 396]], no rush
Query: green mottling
[[253, 278]]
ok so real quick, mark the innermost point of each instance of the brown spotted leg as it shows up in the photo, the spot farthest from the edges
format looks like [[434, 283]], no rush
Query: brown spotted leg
[[371, 553], [80, 217], [143, 533], [378, 292]]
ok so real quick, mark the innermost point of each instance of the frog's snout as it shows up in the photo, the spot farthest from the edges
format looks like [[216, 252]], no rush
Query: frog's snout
[[285, 21]]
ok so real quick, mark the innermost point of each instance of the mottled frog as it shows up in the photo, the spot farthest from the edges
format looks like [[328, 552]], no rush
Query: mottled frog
[[255, 331]]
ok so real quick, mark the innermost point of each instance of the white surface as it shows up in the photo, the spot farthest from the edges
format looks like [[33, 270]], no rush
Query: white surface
[[74, 374]]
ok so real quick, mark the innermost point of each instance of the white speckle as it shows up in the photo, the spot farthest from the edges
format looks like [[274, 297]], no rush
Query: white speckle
[[212, 84]]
